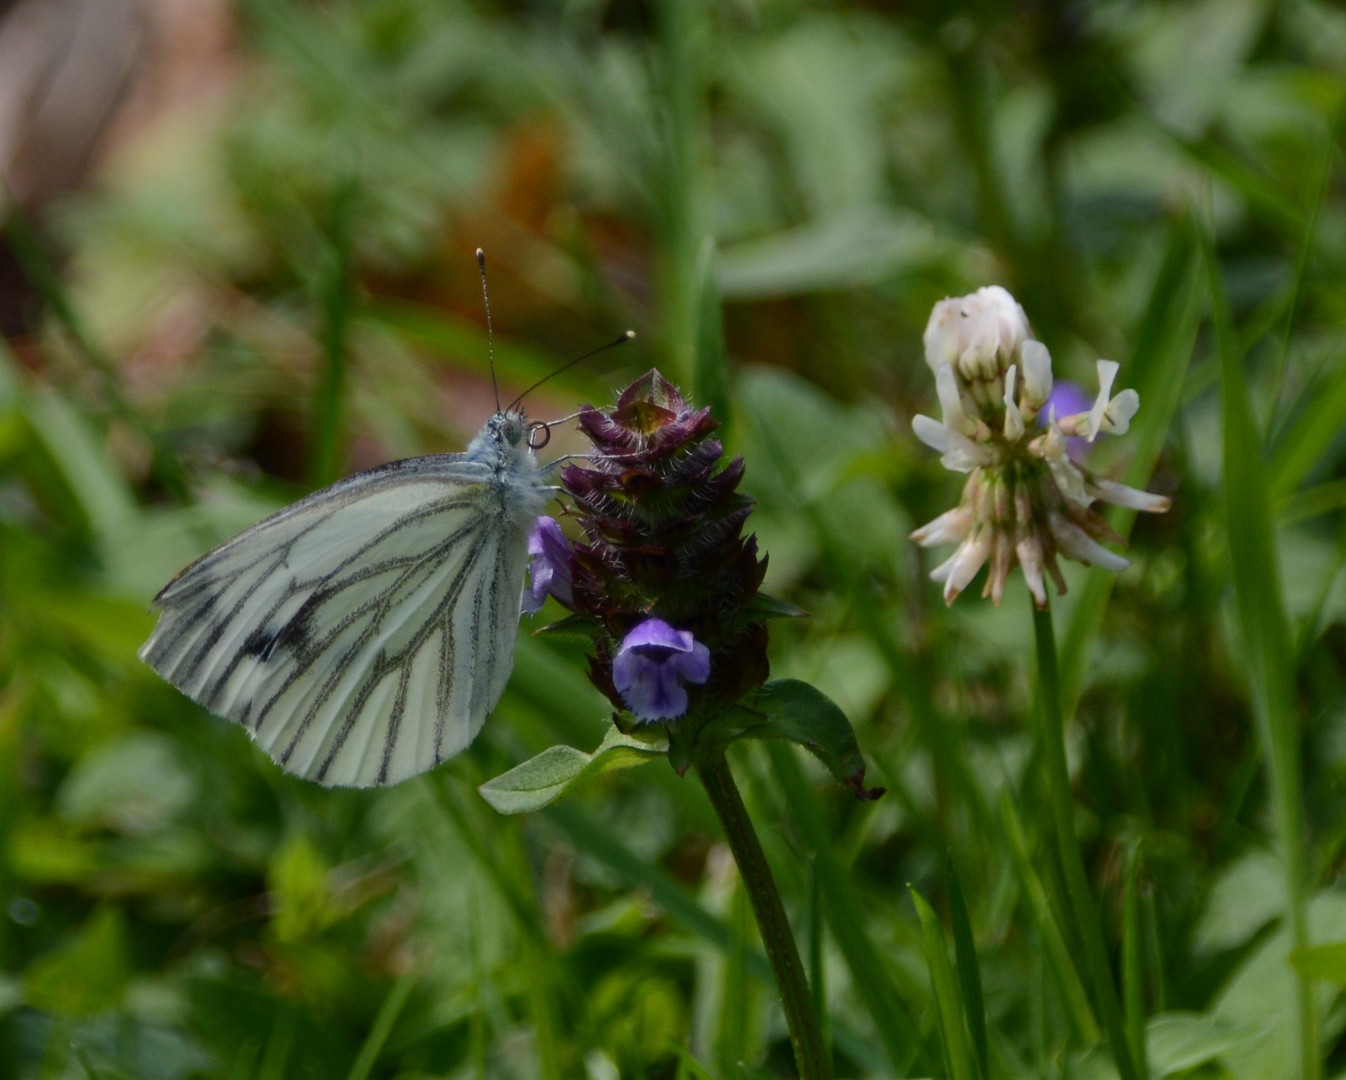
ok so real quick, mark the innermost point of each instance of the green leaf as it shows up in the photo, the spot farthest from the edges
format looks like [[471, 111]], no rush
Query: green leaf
[[298, 878], [1181, 1041], [134, 785], [802, 714], [762, 607], [86, 974], [1325, 962], [545, 778]]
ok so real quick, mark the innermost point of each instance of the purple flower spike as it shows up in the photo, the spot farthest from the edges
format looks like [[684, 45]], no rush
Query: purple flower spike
[[651, 666], [1068, 399], [549, 571]]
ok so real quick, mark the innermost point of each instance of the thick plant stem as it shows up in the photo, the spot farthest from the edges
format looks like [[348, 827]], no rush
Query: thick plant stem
[[1081, 899], [805, 1031]]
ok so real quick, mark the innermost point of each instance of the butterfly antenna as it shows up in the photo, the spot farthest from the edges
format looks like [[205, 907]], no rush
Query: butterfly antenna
[[626, 336], [490, 337]]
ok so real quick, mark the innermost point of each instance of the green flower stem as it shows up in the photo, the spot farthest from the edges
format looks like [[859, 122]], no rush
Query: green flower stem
[[806, 1034], [1053, 736]]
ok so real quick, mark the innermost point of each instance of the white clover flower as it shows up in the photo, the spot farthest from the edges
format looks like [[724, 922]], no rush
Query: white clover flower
[[1026, 501]]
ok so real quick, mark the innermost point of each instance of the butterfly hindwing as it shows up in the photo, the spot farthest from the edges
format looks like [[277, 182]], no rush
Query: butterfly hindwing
[[363, 634]]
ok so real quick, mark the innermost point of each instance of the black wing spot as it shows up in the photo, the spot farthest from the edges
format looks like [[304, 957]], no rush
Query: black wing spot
[[260, 642], [264, 642]]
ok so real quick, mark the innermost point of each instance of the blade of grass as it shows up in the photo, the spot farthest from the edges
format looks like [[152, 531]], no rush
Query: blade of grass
[[1316, 501], [1310, 436], [1155, 955], [969, 972], [382, 1027], [522, 902], [1266, 638], [817, 935], [1157, 369], [276, 1060], [873, 980], [681, 28], [478, 1045], [37, 267], [336, 301], [935, 732], [1079, 893], [734, 1030], [1133, 970], [1054, 952], [505, 865], [711, 375], [592, 836], [1307, 241], [953, 1035], [42, 275], [689, 1068]]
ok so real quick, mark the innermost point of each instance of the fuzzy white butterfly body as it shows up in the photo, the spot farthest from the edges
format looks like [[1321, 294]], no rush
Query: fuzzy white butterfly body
[[363, 634]]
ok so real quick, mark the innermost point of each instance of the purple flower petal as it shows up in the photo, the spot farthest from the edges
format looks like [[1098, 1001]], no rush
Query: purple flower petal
[[1069, 399], [653, 664], [549, 570]]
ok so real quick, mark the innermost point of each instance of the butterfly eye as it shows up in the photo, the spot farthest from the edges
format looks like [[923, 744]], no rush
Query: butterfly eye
[[539, 434]]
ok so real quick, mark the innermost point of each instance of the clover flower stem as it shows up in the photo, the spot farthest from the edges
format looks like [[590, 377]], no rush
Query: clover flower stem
[[1051, 733], [806, 1036]]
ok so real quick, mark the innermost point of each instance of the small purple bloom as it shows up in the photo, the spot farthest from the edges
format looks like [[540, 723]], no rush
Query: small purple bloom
[[549, 571], [651, 666], [1068, 399]]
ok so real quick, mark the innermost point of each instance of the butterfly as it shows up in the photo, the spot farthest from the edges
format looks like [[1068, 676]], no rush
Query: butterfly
[[363, 634]]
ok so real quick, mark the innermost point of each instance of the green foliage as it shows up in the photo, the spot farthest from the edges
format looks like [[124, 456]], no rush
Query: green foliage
[[545, 778], [274, 283]]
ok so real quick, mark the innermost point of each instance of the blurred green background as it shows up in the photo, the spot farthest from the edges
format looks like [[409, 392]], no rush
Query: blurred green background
[[237, 262]]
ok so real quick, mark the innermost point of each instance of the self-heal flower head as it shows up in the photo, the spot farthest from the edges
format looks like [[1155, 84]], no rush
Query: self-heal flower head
[[651, 667], [663, 545], [1027, 498], [549, 567], [665, 582]]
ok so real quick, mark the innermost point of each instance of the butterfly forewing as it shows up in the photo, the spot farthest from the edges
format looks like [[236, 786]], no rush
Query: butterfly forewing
[[363, 634]]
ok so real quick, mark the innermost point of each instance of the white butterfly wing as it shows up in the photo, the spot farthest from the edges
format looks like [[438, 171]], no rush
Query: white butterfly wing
[[363, 634]]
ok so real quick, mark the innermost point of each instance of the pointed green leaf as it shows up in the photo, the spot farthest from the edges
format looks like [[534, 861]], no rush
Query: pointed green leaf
[[575, 626], [545, 778], [802, 714], [762, 606]]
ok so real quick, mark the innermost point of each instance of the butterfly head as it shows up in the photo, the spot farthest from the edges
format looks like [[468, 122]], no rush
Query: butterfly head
[[507, 426], [502, 439]]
